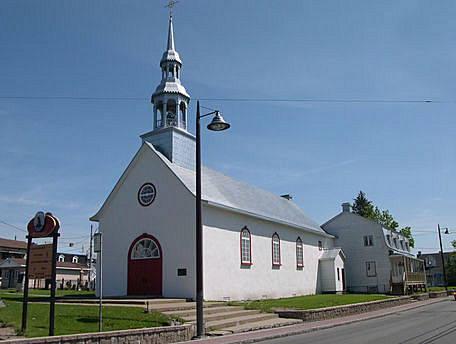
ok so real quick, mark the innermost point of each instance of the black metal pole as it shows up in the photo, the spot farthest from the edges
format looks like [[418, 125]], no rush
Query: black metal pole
[[100, 279], [53, 283], [26, 284], [443, 260], [199, 233]]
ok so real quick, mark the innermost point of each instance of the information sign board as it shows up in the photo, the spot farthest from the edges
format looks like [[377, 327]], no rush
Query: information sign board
[[41, 261]]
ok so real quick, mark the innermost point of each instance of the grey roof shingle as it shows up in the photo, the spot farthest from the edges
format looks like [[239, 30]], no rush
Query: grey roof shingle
[[220, 189]]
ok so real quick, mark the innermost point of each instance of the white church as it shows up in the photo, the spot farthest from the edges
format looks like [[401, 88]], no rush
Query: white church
[[255, 244]]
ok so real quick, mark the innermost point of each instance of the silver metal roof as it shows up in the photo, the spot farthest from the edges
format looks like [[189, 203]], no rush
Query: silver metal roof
[[170, 87], [219, 189], [331, 254]]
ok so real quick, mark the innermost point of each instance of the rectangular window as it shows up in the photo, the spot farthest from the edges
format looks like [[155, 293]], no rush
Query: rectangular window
[[368, 240], [402, 244], [338, 274], [388, 239], [395, 242], [407, 247], [320, 245], [370, 269]]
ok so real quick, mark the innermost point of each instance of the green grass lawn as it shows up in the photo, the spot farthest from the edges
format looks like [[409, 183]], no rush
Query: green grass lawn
[[310, 301], [71, 319]]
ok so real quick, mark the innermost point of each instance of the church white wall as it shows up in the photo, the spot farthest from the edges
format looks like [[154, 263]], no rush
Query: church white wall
[[170, 219], [225, 277]]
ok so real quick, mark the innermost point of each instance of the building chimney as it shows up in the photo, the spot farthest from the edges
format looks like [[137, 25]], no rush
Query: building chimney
[[287, 196], [346, 207]]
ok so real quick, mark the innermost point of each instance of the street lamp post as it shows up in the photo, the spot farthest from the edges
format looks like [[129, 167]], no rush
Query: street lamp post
[[217, 124], [441, 255]]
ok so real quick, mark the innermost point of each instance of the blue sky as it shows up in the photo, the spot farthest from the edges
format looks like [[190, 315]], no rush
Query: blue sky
[[65, 156]]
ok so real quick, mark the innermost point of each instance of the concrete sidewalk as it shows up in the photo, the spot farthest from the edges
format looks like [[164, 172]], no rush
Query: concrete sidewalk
[[256, 336]]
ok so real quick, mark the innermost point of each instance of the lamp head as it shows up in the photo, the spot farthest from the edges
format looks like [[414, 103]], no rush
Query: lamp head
[[218, 123]]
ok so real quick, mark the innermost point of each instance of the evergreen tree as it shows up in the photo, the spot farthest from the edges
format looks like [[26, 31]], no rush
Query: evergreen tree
[[362, 206]]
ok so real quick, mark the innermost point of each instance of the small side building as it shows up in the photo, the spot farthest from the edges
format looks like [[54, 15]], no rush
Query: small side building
[[378, 259]]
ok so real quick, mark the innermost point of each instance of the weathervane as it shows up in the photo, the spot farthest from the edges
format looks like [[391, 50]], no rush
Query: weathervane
[[170, 6]]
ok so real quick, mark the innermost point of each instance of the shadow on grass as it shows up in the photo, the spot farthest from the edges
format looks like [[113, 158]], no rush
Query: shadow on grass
[[88, 320]]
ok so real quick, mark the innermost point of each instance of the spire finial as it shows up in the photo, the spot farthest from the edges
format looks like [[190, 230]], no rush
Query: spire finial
[[171, 6]]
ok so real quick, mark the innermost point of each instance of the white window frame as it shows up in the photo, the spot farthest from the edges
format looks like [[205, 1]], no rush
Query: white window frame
[[368, 240], [75, 259], [246, 247], [275, 242], [149, 252], [61, 258], [299, 253], [371, 270]]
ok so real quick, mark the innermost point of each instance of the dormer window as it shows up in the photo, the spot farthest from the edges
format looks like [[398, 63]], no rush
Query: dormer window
[[75, 259], [61, 258]]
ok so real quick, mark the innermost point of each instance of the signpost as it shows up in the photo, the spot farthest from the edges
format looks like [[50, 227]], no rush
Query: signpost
[[41, 260]]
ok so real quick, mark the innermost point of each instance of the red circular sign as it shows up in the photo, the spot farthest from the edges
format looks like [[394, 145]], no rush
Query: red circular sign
[[38, 229]]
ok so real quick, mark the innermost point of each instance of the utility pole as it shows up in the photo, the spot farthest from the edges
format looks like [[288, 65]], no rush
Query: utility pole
[[443, 261], [90, 256]]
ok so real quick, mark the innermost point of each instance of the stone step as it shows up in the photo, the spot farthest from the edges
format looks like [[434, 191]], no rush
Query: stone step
[[121, 301], [232, 322], [208, 310], [183, 306], [253, 326], [224, 315]]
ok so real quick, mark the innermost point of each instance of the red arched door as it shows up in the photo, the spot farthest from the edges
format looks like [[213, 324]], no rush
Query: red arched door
[[145, 266]]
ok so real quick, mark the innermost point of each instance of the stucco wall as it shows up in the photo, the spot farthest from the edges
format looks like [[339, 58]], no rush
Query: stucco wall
[[169, 219], [226, 278]]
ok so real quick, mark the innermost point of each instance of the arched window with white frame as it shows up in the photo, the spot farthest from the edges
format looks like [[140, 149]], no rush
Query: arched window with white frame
[[61, 258], [275, 250], [299, 253], [145, 249], [75, 259], [246, 247]]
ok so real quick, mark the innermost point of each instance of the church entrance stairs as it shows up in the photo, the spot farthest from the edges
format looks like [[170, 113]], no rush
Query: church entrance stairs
[[219, 318]]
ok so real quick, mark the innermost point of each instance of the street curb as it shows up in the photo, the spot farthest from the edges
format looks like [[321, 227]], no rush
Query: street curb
[[294, 329]]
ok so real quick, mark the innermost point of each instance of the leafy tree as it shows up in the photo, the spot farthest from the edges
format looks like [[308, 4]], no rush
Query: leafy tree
[[363, 207], [407, 232], [451, 267]]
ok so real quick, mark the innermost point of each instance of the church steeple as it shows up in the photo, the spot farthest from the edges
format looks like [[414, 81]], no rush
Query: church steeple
[[170, 98]]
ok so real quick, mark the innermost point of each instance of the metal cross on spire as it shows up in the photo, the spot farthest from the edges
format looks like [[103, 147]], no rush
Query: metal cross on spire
[[171, 6]]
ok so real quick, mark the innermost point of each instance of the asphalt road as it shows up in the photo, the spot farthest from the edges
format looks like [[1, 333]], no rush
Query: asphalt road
[[435, 323]]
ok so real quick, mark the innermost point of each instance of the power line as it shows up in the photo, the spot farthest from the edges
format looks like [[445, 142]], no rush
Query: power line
[[13, 226], [284, 100]]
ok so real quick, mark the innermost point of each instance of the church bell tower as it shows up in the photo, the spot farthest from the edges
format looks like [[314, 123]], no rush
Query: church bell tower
[[170, 103]]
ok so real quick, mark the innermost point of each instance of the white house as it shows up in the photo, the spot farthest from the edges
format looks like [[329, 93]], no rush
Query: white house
[[255, 244], [378, 259]]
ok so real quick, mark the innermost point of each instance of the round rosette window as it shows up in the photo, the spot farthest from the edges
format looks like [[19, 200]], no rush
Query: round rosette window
[[146, 194]]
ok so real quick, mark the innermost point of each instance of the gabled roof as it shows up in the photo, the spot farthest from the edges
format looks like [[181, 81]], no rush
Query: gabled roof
[[16, 244], [332, 254], [219, 190]]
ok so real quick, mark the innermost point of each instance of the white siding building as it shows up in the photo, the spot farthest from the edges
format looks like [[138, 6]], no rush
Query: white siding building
[[256, 244], [378, 259]]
